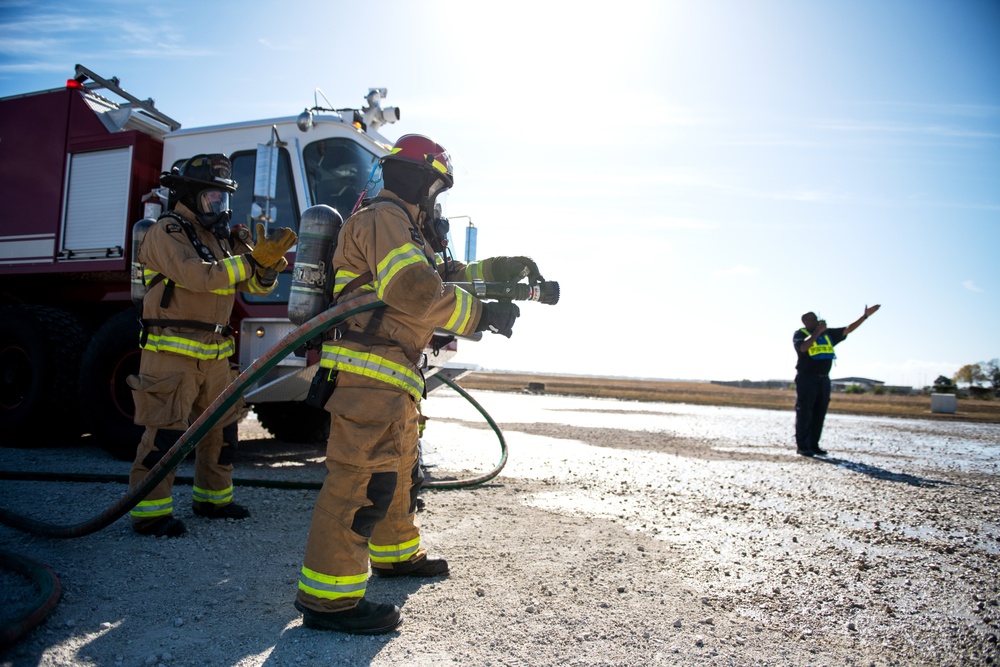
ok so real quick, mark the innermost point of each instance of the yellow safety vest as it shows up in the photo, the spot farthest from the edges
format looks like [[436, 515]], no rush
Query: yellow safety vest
[[821, 348]]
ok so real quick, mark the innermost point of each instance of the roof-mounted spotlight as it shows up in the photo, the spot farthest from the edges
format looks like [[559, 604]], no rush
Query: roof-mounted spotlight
[[305, 121]]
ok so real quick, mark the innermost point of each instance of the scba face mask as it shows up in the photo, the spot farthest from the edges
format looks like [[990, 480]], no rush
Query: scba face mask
[[438, 226], [213, 208]]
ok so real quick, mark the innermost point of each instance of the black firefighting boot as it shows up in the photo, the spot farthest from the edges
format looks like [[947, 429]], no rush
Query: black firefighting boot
[[230, 511], [367, 618], [165, 526], [422, 567]]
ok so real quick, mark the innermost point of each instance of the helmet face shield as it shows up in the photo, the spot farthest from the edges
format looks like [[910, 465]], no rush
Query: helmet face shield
[[439, 187], [213, 201]]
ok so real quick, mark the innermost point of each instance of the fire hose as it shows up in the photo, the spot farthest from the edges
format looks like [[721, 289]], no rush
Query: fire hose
[[46, 580]]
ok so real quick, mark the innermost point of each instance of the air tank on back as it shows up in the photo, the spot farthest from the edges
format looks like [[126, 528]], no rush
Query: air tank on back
[[152, 206], [139, 287], [312, 275]]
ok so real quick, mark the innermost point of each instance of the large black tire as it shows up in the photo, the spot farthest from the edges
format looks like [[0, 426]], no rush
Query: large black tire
[[40, 352], [105, 398], [294, 422]]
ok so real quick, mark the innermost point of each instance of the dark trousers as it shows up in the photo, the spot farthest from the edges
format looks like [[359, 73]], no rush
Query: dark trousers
[[812, 396]]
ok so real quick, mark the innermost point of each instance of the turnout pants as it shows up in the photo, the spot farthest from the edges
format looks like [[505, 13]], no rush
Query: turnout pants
[[366, 510], [172, 391], [812, 397]]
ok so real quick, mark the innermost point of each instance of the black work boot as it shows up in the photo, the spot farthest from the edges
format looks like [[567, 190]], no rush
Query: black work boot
[[423, 567], [165, 526], [230, 511], [367, 618]]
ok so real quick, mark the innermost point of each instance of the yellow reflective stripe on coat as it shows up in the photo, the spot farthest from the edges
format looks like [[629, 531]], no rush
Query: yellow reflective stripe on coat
[[459, 319], [329, 587], [223, 497], [190, 348], [393, 553], [373, 366], [148, 275], [394, 262], [343, 277], [474, 271], [238, 269], [150, 508]]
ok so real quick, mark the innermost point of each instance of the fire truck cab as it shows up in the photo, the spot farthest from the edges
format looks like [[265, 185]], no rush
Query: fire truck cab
[[77, 171]]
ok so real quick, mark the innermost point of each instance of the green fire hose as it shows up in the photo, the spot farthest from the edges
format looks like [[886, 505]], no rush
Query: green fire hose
[[46, 580]]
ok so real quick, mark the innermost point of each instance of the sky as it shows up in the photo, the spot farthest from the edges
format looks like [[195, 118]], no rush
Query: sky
[[696, 175]]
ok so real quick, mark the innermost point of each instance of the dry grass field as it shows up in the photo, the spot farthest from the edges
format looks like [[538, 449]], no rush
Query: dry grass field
[[705, 393]]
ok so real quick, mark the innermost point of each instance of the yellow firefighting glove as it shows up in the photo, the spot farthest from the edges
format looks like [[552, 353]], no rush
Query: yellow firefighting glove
[[273, 246], [508, 269]]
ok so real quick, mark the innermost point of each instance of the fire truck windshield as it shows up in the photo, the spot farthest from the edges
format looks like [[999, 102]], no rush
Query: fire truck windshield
[[337, 171]]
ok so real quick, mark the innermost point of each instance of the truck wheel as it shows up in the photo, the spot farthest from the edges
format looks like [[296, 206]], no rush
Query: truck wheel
[[40, 351], [294, 422], [113, 355]]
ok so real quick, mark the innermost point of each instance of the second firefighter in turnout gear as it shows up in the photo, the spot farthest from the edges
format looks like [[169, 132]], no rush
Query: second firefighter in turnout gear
[[365, 513], [193, 265]]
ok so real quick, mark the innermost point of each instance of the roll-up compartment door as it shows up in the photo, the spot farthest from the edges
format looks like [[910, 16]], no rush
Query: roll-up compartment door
[[96, 210]]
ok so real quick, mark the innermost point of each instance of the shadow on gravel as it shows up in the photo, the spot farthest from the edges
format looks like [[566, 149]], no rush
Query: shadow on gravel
[[882, 473], [889, 476]]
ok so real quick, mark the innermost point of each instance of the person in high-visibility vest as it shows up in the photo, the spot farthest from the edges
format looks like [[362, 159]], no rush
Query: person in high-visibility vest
[[814, 345]]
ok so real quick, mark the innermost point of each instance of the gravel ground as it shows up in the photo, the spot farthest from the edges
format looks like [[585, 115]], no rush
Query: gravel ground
[[617, 534]]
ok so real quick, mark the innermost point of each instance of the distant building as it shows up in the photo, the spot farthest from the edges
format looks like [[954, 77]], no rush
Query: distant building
[[755, 384], [865, 383]]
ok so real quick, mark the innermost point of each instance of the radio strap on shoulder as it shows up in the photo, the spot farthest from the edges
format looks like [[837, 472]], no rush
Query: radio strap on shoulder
[[203, 251]]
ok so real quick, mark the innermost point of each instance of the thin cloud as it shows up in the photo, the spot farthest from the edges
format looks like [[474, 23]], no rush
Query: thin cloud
[[55, 38], [972, 286], [944, 131], [18, 47], [20, 68], [270, 46], [940, 109]]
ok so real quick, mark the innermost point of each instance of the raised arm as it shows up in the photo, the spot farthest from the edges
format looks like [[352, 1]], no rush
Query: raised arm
[[869, 311]]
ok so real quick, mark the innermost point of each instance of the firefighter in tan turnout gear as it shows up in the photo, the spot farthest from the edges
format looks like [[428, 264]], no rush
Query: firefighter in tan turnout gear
[[193, 265], [366, 511]]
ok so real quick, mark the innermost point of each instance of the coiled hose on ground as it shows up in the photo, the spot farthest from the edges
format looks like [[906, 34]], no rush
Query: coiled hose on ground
[[47, 581]]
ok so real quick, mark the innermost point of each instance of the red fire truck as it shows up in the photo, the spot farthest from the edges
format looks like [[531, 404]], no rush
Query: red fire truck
[[77, 171]]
